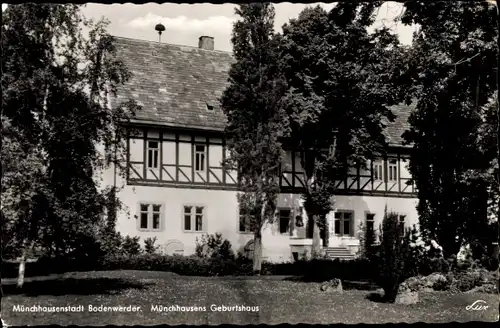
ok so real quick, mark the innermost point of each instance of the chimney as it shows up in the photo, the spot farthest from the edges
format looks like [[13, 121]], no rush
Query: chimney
[[206, 42]]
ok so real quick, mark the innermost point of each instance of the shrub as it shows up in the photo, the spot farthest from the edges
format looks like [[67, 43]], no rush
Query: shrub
[[465, 281], [214, 246], [435, 264], [394, 250], [368, 241], [315, 270], [111, 243], [442, 285], [149, 245], [416, 253], [131, 246]]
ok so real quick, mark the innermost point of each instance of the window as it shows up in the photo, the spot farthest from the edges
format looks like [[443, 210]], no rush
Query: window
[[199, 157], [150, 216], [402, 223], [152, 154], [284, 221], [370, 235], [310, 228], [193, 218], [343, 223], [370, 221], [393, 170], [245, 220], [378, 171], [156, 217]]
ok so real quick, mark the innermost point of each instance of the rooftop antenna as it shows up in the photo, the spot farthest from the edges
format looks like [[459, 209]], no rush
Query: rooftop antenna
[[160, 28]]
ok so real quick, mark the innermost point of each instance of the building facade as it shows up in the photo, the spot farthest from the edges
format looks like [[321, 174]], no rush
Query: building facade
[[176, 189]]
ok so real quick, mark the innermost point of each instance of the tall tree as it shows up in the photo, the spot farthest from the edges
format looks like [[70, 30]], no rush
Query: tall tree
[[453, 63], [55, 84], [255, 121], [341, 80]]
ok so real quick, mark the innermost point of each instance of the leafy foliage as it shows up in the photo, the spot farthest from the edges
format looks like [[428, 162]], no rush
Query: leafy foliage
[[255, 121], [393, 256], [368, 242], [452, 66], [340, 80], [131, 245], [214, 246], [59, 130], [149, 245]]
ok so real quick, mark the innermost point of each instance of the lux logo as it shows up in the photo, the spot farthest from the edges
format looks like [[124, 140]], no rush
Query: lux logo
[[477, 306]]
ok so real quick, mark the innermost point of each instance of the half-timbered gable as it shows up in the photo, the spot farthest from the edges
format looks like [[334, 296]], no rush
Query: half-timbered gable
[[178, 159]]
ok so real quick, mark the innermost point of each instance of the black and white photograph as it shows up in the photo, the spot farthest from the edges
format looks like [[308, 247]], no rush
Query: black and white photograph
[[250, 163]]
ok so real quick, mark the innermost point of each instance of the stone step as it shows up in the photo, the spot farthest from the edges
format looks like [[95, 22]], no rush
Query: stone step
[[337, 250], [338, 253]]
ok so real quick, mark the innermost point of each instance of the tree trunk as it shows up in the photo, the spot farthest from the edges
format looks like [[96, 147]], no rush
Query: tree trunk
[[257, 252], [326, 233], [316, 243], [257, 240], [22, 268]]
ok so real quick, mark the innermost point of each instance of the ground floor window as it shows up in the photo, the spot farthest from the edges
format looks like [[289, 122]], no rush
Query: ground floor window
[[370, 235], [194, 218], [150, 215], [343, 223], [245, 220], [284, 220], [310, 228], [402, 223], [370, 222]]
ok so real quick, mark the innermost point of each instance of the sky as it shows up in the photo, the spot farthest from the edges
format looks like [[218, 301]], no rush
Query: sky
[[185, 23]]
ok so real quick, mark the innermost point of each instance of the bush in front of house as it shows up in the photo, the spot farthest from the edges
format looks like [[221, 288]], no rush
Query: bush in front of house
[[368, 242], [214, 246], [315, 270], [393, 256], [182, 265], [131, 246], [149, 245]]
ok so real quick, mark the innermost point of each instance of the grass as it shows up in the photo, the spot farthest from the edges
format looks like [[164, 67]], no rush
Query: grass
[[280, 300]]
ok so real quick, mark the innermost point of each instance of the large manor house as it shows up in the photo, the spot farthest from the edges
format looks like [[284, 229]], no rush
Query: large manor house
[[177, 190]]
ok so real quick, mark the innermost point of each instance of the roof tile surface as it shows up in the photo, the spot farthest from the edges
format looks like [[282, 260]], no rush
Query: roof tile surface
[[176, 84]]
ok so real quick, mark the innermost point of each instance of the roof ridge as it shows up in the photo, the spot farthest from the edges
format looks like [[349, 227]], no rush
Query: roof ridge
[[173, 44]]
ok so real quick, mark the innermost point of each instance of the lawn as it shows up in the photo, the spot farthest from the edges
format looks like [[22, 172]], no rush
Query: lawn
[[280, 300]]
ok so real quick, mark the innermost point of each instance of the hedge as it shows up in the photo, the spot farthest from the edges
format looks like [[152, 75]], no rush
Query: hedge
[[315, 270]]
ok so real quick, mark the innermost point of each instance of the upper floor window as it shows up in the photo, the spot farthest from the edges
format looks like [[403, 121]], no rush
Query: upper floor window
[[200, 158], [150, 215], [392, 169], [378, 171], [193, 218], [152, 153], [284, 221]]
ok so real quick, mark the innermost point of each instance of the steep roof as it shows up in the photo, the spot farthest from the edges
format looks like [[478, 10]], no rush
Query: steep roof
[[176, 84]]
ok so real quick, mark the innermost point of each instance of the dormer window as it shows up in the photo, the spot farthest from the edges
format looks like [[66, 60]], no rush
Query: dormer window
[[210, 108]]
